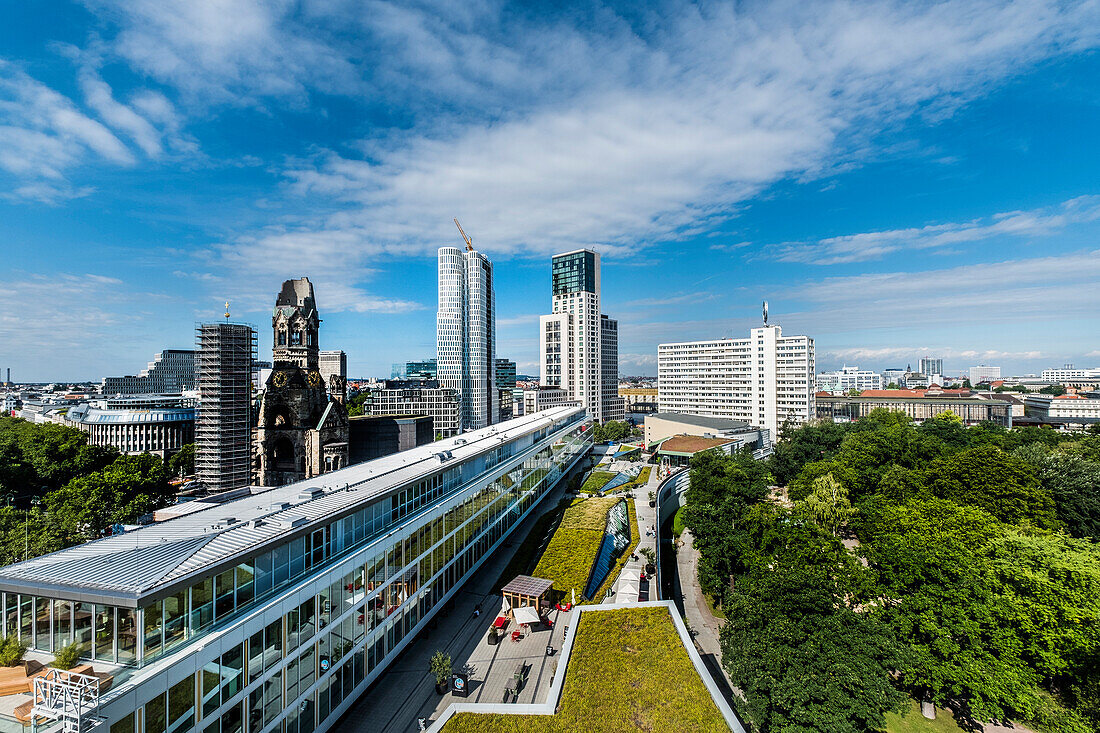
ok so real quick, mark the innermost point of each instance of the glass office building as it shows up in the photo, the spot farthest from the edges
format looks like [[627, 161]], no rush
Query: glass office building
[[272, 612]]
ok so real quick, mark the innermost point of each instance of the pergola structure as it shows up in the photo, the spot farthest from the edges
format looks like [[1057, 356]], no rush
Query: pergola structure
[[524, 590]]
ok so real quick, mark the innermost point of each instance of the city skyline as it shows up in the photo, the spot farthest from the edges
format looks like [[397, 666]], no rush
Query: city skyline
[[890, 199]]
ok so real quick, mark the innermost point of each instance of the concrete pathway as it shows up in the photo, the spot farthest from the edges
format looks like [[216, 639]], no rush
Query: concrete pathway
[[630, 588]]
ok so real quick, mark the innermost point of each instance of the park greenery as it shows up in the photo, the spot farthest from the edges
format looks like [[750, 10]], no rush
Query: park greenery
[[628, 671], [869, 564], [596, 481], [60, 491], [611, 431]]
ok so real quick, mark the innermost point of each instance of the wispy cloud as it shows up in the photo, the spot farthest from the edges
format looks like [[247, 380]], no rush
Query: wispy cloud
[[875, 245], [671, 300]]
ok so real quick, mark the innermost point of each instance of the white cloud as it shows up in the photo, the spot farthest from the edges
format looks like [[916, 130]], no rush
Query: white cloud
[[874, 245]]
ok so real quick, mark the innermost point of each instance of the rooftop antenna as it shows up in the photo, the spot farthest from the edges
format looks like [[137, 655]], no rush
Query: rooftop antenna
[[765, 312], [227, 312]]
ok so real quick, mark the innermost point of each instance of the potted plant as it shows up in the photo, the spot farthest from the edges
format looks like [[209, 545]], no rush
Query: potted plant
[[651, 559], [494, 636], [652, 498], [440, 666]]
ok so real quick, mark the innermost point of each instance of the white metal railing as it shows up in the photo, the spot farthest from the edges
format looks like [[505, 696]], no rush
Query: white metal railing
[[68, 697]]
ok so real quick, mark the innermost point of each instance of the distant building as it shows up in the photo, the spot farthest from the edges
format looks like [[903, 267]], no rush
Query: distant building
[[375, 436], [160, 431], [1071, 408], [920, 405], [332, 362], [930, 365], [506, 374], [984, 373], [223, 424], [848, 378], [172, 370], [424, 369], [893, 376], [543, 398], [639, 399], [1069, 373], [466, 335], [665, 425], [765, 380], [579, 345], [417, 397]]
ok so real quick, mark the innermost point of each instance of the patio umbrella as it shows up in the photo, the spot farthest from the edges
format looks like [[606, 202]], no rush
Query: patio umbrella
[[574, 601]]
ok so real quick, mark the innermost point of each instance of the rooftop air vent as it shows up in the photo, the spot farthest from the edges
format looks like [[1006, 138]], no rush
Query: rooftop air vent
[[279, 506], [288, 522], [311, 493]]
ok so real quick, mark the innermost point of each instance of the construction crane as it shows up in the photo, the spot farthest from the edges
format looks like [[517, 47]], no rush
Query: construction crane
[[469, 244]]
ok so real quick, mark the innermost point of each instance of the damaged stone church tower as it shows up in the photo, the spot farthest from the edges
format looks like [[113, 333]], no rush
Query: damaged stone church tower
[[302, 430]]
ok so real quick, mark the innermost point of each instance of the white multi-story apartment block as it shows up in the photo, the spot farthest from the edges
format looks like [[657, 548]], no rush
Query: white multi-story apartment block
[[1071, 407], [765, 380], [578, 345], [848, 378], [984, 373], [466, 334], [930, 365], [1068, 372]]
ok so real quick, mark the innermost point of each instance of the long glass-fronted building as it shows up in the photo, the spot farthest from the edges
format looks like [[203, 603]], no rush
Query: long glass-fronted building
[[272, 612]]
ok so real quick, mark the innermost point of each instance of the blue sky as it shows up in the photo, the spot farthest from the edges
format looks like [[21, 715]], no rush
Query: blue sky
[[896, 178]]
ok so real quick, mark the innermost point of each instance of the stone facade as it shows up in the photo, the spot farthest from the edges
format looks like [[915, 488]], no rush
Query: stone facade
[[302, 430]]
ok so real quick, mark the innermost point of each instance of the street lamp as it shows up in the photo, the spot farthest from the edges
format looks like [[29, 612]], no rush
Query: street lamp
[[27, 530]]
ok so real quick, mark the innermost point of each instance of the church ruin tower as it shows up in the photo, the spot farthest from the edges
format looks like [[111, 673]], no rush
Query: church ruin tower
[[302, 431], [296, 324]]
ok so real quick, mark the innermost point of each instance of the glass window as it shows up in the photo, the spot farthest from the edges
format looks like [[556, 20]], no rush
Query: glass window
[[62, 624], [307, 667], [232, 719], [211, 677], [292, 679], [127, 636], [124, 724], [202, 604], [105, 633], [255, 656], [256, 710], [42, 624], [273, 697], [273, 644], [26, 619], [175, 618], [246, 588], [156, 716], [82, 627], [232, 672], [224, 584], [181, 703], [153, 629]]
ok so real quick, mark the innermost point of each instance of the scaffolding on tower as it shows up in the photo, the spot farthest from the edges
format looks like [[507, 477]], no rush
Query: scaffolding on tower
[[223, 425]]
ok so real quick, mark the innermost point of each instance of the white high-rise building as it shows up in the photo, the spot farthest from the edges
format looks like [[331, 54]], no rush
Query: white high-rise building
[[765, 380], [849, 378], [466, 334], [578, 345], [930, 366], [331, 363], [984, 374]]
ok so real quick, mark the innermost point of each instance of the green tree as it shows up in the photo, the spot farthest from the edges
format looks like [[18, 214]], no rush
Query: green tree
[[827, 505], [1054, 389], [989, 478], [806, 660], [802, 445], [182, 462], [117, 494], [1074, 484]]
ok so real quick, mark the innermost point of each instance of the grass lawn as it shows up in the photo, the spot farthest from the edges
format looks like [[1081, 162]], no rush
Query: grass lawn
[[641, 479], [914, 722], [568, 557], [595, 481], [628, 671]]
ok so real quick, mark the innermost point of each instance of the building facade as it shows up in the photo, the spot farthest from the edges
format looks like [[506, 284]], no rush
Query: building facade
[[170, 371], [543, 398], [984, 373], [418, 397], [302, 430], [223, 423], [466, 334], [971, 409], [505, 374], [848, 378], [425, 369], [333, 363], [1068, 407], [578, 344], [160, 431], [765, 380], [1068, 373], [930, 365], [274, 612]]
